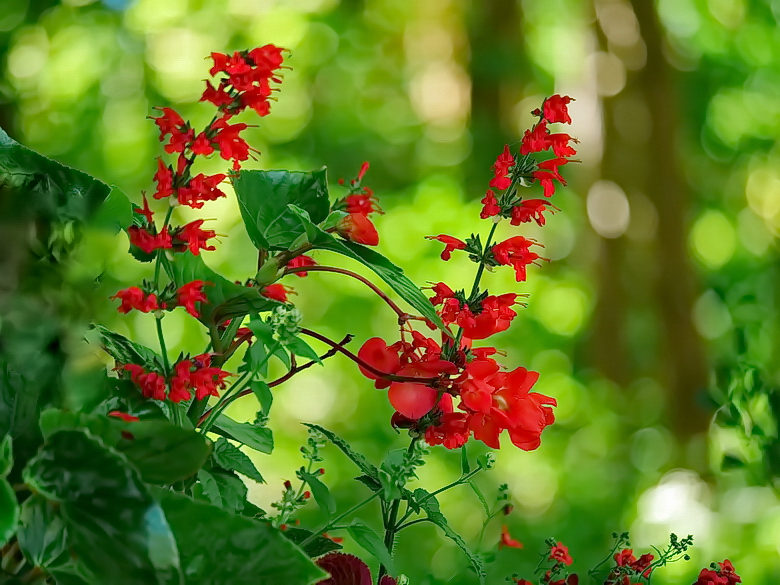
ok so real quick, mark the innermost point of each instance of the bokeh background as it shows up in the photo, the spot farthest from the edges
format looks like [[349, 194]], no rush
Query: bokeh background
[[661, 293]]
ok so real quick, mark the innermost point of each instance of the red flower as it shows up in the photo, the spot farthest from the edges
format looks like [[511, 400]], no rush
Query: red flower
[[507, 540], [199, 189], [560, 554], [377, 354], [267, 58], [531, 209], [180, 141], [152, 384], [202, 145], [450, 244], [143, 239], [276, 292], [452, 431], [230, 144], [496, 316], [189, 294], [727, 570], [363, 203], [412, 399], [180, 382], [217, 96], [552, 166], [135, 298], [206, 379], [535, 140], [504, 162], [515, 252], [491, 206], [546, 180], [169, 122], [300, 261], [362, 172], [256, 98], [555, 109], [123, 415], [560, 144], [443, 292], [710, 577], [358, 228], [642, 563], [164, 178], [625, 557], [194, 237]]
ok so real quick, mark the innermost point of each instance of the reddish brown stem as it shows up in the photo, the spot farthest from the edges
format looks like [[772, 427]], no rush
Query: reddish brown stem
[[364, 365], [402, 316]]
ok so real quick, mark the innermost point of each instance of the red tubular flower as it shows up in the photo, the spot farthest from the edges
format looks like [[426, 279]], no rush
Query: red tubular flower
[[199, 189], [535, 140], [257, 98], [515, 252], [560, 554], [180, 140], [450, 244], [376, 353], [135, 298], [164, 178], [300, 261], [189, 294], [276, 292], [552, 166], [180, 382], [141, 238], [206, 380], [217, 96], [496, 316], [363, 203], [625, 557], [546, 180], [504, 162], [443, 292], [202, 145], [452, 431], [555, 109], [362, 172], [531, 209], [727, 570], [169, 122], [358, 228], [192, 236], [560, 144], [152, 384], [507, 540], [710, 577], [229, 143], [490, 207], [123, 416]]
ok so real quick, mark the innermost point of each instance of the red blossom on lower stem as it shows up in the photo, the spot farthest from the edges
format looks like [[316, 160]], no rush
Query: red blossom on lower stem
[[560, 553], [359, 229], [193, 237], [515, 252], [199, 189], [450, 244], [206, 380], [531, 209], [148, 242], [164, 179], [170, 122], [507, 540], [490, 205], [535, 139], [189, 294], [277, 292], [134, 298], [301, 261], [152, 384], [560, 144], [231, 145]]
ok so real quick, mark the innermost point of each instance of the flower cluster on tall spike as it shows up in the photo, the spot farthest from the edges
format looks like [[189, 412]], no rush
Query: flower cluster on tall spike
[[359, 203], [188, 375]]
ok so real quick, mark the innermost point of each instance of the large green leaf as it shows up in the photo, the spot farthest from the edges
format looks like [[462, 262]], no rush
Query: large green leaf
[[264, 196], [114, 526], [226, 299], [254, 435], [32, 185], [230, 457], [430, 505], [41, 532], [161, 451], [217, 547], [224, 489], [387, 271], [125, 351], [116, 212], [9, 511], [373, 544]]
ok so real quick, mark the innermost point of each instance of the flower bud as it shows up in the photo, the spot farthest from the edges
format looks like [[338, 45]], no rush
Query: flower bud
[[287, 484]]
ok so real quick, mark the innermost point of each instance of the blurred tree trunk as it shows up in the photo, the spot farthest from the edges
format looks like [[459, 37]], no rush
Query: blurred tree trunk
[[682, 348]]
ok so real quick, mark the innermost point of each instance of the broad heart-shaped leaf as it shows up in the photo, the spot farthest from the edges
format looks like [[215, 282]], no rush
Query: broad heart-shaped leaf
[[264, 196], [388, 272], [35, 186], [9, 511], [258, 437], [368, 468], [226, 299], [430, 505], [116, 212], [219, 548], [114, 526], [317, 547], [370, 541], [161, 451], [125, 351], [228, 456], [41, 532]]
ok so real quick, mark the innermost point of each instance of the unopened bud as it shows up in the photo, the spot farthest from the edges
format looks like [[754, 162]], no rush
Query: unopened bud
[[287, 484], [321, 471], [508, 509], [283, 527], [306, 495]]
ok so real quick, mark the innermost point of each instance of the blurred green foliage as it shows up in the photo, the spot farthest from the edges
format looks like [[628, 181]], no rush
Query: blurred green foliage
[[428, 92]]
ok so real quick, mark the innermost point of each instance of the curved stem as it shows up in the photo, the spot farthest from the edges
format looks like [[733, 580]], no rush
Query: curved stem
[[408, 524], [402, 316], [369, 367]]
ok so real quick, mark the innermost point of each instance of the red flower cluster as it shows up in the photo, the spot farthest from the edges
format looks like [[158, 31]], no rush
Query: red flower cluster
[[724, 574], [491, 400], [359, 204], [560, 554], [190, 374], [515, 252], [628, 566], [493, 316], [277, 292], [189, 294], [301, 261], [135, 298]]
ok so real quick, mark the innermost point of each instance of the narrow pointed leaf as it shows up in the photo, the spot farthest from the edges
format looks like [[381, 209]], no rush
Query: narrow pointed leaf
[[368, 468], [371, 542], [252, 435], [228, 456]]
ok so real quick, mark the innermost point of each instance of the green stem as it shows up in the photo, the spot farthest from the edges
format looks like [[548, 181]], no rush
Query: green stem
[[160, 252], [335, 521], [224, 402], [408, 524], [481, 268], [163, 349]]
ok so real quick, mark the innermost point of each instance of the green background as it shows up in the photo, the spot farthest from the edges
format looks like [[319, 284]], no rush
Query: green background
[[663, 255]]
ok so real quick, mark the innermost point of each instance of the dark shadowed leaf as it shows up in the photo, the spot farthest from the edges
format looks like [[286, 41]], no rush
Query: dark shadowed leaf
[[125, 351], [221, 548], [9, 511], [41, 532], [319, 546], [114, 526]]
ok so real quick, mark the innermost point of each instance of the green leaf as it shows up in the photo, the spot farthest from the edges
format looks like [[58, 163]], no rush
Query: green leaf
[[161, 451], [321, 493], [263, 394], [41, 532], [258, 437], [226, 299], [32, 185], [116, 212], [125, 351], [369, 469], [264, 196], [300, 348], [6, 456], [114, 526], [218, 548], [317, 547], [9, 511], [228, 456], [430, 505], [465, 468], [370, 541], [388, 272]]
